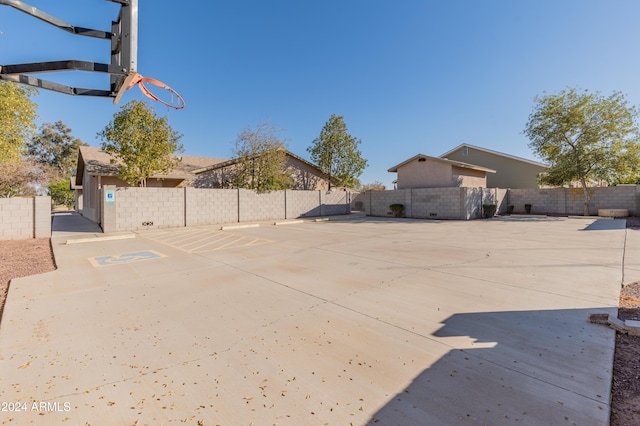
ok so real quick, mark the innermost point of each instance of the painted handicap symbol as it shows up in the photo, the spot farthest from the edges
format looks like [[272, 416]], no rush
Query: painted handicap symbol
[[125, 258]]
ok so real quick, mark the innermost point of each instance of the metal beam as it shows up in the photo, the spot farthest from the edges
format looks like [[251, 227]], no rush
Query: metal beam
[[124, 53], [50, 19], [56, 87], [71, 64]]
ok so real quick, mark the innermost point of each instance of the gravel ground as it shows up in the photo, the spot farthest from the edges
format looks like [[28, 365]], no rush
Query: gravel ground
[[22, 258], [34, 256]]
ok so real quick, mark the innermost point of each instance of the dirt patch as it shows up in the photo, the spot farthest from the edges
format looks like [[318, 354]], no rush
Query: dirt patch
[[633, 222], [625, 389], [22, 258]]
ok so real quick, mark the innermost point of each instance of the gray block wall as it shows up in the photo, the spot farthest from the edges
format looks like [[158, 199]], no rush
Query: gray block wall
[[302, 203], [466, 203], [141, 208], [358, 200], [423, 203], [25, 217], [257, 206], [437, 203], [570, 201], [334, 203], [144, 208], [471, 201], [210, 206], [550, 201], [502, 199], [42, 217], [377, 202]]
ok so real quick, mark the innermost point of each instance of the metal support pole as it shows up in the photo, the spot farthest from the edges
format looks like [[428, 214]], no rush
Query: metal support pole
[[123, 53]]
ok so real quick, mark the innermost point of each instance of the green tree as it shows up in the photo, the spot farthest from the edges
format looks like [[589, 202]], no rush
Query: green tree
[[261, 155], [584, 136], [21, 177], [54, 147], [141, 142], [17, 116], [61, 193], [336, 153]]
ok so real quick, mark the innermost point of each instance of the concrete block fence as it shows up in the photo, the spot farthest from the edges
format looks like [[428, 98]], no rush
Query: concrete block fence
[[466, 203], [142, 208], [25, 217], [570, 201], [459, 203]]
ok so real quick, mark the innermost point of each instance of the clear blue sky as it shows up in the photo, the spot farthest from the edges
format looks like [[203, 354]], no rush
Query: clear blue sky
[[410, 76]]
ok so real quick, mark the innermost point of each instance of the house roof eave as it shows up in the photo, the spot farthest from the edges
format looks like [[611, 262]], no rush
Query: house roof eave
[[498, 153], [395, 168]]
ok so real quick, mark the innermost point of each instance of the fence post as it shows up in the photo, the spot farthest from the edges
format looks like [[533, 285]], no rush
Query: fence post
[[184, 204], [238, 189], [109, 201], [42, 217], [410, 209]]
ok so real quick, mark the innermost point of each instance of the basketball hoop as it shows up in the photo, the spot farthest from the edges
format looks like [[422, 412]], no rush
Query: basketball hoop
[[122, 68], [140, 80]]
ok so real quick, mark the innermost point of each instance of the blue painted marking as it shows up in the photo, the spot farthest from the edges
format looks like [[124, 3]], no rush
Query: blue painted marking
[[124, 258]]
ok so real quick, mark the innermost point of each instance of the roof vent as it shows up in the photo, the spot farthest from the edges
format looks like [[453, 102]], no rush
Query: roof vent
[[465, 150], [421, 160]]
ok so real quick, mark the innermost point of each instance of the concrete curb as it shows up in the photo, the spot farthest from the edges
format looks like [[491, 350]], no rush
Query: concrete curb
[[629, 327], [99, 239], [288, 222], [248, 225]]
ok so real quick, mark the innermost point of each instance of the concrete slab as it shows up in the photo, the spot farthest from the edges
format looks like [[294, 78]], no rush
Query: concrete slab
[[73, 223], [359, 321]]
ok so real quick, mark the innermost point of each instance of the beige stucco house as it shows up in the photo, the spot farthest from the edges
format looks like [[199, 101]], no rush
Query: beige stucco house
[[423, 171], [305, 175], [511, 171]]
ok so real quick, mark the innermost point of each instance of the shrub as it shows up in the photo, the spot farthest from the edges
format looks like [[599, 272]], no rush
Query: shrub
[[489, 210], [397, 210]]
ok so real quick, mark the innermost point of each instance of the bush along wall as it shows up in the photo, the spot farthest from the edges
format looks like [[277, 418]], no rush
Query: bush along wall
[[489, 210], [397, 210]]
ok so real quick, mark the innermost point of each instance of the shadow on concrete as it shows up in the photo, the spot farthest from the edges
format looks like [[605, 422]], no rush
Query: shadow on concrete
[[359, 218], [546, 367], [73, 222], [606, 225], [529, 218]]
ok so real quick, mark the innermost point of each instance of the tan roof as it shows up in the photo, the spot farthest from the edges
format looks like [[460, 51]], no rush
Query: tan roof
[[97, 162], [442, 160], [236, 160]]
